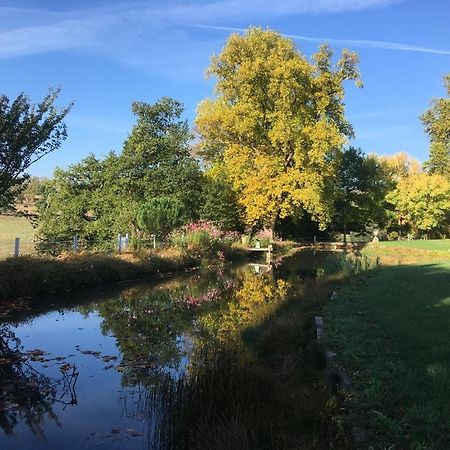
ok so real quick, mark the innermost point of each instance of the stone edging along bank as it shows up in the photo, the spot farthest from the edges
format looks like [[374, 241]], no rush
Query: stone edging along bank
[[339, 379]]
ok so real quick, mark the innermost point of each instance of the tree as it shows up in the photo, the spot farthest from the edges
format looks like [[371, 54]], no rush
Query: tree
[[276, 124], [160, 215], [359, 189], [27, 133], [398, 166], [422, 203], [96, 199], [436, 122], [220, 201]]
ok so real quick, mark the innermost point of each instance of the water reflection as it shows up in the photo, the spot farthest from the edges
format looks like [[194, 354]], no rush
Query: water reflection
[[27, 395], [131, 361]]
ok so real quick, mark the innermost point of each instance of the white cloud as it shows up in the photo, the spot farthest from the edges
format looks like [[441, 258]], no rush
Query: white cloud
[[30, 31], [360, 43]]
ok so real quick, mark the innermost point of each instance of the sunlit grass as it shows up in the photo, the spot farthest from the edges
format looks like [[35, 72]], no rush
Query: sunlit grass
[[408, 252], [12, 227]]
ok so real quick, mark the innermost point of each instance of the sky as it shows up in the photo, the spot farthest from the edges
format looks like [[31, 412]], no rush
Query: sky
[[105, 54]]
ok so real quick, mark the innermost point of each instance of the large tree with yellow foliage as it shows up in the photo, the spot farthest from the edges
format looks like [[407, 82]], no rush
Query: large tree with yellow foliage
[[277, 124]]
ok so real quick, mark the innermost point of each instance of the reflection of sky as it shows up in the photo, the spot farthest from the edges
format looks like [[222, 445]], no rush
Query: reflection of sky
[[98, 391], [108, 415]]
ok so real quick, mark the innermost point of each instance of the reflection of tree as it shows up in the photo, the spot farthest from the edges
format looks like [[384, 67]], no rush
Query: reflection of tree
[[26, 394], [151, 326], [255, 298]]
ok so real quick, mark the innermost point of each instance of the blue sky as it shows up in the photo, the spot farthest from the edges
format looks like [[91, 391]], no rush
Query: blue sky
[[108, 53]]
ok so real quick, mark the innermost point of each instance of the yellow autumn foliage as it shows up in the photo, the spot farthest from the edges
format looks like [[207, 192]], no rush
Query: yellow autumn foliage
[[276, 124], [422, 201]]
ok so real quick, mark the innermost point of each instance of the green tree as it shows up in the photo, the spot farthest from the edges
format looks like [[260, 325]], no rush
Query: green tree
[[27, 133], [359, 189], [436, 122], [422, 203], [160, 215], [276, 124], [220, 201], [96, 199]]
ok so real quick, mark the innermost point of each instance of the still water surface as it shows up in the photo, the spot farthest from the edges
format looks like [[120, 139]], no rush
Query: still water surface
[[85, 373]]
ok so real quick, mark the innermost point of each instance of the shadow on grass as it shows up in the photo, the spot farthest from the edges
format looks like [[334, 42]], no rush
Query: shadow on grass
[[391, 328]]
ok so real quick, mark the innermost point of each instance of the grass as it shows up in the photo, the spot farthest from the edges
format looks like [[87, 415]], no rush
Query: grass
[[31, 276], [10, 228], [408, 252], [429, 244], [390, 329]]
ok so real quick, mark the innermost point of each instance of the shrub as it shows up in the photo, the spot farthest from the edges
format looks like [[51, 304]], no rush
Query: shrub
[[203, 238]]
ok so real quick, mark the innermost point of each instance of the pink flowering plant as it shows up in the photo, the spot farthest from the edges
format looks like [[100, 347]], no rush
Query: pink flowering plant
[[203, 238]]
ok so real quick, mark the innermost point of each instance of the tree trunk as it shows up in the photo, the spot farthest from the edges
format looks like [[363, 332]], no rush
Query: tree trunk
[[345, 233]]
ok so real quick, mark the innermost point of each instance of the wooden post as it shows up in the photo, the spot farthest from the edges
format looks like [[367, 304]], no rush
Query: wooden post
[[154, 241], [75, 244], [16, 247], [119, 242]]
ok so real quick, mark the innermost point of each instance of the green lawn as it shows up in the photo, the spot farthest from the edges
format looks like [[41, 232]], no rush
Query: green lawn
[[391, 329], [12, 227], [431, 244]]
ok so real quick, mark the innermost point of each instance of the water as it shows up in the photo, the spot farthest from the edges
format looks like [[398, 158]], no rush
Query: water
[[92, 371]]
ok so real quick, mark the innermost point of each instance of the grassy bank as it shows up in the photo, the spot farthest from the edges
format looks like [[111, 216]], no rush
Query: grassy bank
[[390, 329], [29, 276]]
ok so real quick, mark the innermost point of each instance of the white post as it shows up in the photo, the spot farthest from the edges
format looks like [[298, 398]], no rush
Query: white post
[[154, 241], [16, 247], [75, 244], [119, 242], [315, 239], [269, 255]]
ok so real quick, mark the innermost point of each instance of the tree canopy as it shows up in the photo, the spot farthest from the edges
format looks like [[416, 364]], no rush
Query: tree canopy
[[276, 124], [360, 188], [422, 203], [436, 122], [27, 133], [96, 199]]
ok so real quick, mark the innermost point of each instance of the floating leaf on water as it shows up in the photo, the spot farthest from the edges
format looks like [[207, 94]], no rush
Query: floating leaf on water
[[65, 367], [90, 352]]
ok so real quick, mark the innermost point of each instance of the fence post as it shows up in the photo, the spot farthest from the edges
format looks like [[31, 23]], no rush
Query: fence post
[[16, 247], [75, 244], [119, 242], [315, 239], [154, 241]]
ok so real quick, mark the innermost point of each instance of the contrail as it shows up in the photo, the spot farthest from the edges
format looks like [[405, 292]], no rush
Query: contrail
[[361, 43]]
